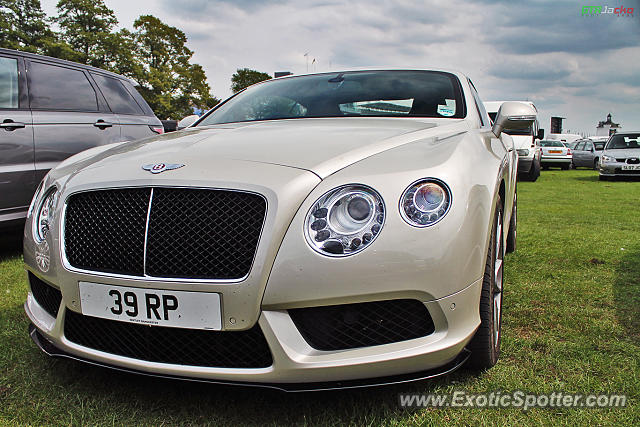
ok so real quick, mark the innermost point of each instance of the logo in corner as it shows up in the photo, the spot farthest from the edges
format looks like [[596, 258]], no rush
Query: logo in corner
[[161, 167]]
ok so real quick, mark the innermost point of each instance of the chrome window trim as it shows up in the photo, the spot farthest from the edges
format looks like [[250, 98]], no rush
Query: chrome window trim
[[146, 278]]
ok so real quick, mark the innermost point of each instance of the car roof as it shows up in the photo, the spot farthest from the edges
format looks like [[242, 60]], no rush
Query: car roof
[[65, 62], [360, 69]]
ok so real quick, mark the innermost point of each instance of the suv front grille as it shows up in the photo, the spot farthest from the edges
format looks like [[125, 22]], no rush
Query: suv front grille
[[164, 232], [192, 347], [340, 327]]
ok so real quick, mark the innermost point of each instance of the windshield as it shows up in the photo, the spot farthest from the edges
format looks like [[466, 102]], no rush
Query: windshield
[[360, 93], [624, 141], [551, 144]]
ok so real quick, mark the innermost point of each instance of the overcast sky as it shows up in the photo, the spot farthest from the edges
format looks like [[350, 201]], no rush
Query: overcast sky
[[578, 67]]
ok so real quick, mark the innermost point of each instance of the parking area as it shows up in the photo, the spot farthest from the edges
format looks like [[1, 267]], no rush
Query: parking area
[[571, 322]]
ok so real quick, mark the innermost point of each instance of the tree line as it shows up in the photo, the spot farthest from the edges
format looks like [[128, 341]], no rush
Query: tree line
[[154, 54]]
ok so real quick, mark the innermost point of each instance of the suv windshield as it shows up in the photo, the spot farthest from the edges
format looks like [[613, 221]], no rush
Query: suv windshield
[[359, 93], [624, 141]]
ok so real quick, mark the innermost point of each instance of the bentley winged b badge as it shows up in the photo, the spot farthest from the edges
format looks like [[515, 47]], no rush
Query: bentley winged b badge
[[161, 167]]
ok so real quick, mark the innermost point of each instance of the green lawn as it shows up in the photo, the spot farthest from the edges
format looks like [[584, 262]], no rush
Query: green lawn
[[571, 324]]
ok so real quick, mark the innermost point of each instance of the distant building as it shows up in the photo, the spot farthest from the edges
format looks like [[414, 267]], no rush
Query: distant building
[[556, 124], [607, 128]]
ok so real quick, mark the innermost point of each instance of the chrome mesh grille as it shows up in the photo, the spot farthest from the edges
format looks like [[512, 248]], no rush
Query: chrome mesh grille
[[164, 232]]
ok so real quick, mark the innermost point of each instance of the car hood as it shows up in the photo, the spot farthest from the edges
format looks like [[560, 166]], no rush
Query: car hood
[[321, 146], [623, 152]]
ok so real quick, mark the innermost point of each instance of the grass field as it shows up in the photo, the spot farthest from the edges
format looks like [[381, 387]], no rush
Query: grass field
[[571, 323]]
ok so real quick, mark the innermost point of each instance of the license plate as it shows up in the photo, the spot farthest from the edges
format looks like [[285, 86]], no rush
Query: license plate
[[631, 167], [177, 309], [555, 151]]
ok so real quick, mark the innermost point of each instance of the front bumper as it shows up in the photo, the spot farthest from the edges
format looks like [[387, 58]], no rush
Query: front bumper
[[615, 169], [295, 362]]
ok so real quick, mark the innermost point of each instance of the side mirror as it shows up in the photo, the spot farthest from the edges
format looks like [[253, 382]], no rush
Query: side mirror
[[540, 135], [513, 115], [187, 121]]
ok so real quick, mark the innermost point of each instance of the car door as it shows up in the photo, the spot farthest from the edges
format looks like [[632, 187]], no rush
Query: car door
[[69, 114], [134, 115], [589, 154], [578, 154], [17, 176]]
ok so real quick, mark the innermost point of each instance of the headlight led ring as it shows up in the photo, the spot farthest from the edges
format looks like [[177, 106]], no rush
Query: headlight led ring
[[344, 220], [425, 202]]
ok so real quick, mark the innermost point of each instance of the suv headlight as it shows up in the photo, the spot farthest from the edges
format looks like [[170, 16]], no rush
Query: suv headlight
[[523, 152], [344, 220], [425, 202], [44, 215], [606, 158]]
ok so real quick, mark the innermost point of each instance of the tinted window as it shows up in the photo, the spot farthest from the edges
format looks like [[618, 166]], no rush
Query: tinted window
[[139, 99], [59, 88], [360, 93], [8, 83], [117, 96]]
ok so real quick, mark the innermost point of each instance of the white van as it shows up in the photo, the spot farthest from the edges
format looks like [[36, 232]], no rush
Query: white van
[[526, 142]]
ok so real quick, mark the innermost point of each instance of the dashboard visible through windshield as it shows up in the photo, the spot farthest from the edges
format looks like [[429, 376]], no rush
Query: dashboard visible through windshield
[[401, 93]]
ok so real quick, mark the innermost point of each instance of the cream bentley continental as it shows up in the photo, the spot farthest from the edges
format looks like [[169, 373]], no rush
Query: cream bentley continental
[[311, 232]]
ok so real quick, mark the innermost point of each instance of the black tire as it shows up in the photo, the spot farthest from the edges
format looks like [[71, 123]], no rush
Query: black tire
[[596, 163], [534, 172], [485, 344], [512, 237]]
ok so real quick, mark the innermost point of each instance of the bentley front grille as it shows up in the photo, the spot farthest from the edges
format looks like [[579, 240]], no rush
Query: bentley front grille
[[164, 232]]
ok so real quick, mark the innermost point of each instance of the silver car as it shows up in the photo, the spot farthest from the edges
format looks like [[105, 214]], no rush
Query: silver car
[[555, 153], [341, 228], [621, 156], [587, 152]]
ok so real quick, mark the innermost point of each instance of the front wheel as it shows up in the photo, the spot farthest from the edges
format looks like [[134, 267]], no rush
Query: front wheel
[[485, 345], [596, 164]]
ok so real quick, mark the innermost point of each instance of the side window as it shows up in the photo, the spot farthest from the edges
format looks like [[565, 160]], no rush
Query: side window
[[580, 147], [59, 88], [479, 106], [136, 95], [8, 83], [118, 98]]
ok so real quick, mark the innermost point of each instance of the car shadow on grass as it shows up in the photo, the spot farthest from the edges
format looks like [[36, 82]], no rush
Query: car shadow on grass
[[626, 292], [190, 403], [10, 242]]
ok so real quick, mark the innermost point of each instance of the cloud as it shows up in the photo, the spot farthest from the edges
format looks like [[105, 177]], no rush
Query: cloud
[[545, 51]]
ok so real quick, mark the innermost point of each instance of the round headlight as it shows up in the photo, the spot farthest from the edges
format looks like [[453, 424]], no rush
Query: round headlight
[[345, 220], [44, 216], [425, 202]]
